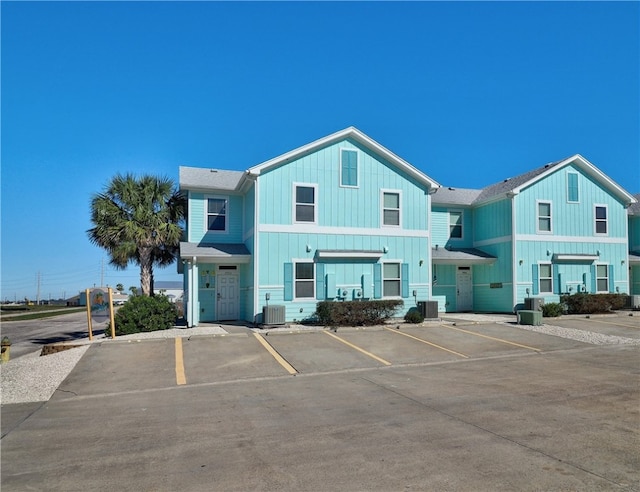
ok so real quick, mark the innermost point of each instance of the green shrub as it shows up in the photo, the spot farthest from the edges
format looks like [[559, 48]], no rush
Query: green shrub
[[143, 313], [356, 313], [414, 316], [593, 303], [552, 309]]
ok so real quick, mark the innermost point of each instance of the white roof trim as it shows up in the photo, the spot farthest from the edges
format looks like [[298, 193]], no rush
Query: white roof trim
[[589, 168], [360, 137]]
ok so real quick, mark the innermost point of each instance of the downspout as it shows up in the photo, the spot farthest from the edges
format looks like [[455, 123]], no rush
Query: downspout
[[256, 255], [194, 293], [514, 260]]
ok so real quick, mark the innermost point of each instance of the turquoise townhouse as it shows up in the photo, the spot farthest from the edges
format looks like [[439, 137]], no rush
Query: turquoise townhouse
[[341, 218], [634, 247], [344, 218], [561, 228]]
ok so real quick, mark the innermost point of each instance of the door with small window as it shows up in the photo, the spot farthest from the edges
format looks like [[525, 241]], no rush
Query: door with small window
[[464, 289]]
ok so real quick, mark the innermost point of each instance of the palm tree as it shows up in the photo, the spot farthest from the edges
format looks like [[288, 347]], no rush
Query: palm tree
[[138, 220], [120, 288]]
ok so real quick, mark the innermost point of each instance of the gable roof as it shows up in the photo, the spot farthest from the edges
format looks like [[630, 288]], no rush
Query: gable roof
[[516, 184], [634, 208], [354, 134]]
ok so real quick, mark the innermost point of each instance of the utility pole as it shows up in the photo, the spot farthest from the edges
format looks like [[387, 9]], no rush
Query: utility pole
[[38, 294]]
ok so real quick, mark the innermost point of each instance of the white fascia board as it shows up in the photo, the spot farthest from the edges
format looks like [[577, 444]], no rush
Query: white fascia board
[[350, 132], [591, 170]]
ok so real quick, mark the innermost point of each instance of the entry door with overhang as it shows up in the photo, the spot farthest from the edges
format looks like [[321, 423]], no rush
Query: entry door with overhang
[[227, 293], [464, 289]]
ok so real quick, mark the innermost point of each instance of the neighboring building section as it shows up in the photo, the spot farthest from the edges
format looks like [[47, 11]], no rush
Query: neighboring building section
[[172, 289], [561, 228], [634, 247]]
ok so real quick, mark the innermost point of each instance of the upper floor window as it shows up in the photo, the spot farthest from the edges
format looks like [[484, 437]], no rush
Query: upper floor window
[[602, 278], [348, 168], [572, 187], [305, 203], [217, 214], [391, 208], [601, 219], [455, 225], [304, 280], [391, 280], [546, 278], [544, 216]]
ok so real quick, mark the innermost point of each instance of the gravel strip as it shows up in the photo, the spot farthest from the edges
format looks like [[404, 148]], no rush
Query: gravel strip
[[32, 378], [580, 335]]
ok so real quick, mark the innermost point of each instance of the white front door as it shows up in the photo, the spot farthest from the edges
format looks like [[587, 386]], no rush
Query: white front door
[[464, 297], [227, 296]]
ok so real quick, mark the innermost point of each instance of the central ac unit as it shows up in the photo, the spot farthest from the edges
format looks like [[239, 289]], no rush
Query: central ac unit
[[428, 309], [273, 315], [533, 303]]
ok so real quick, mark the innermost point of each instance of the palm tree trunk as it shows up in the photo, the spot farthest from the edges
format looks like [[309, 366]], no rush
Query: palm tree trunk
[[146, 271]]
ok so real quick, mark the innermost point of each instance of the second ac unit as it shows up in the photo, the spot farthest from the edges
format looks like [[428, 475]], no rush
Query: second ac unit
[[273, 315]]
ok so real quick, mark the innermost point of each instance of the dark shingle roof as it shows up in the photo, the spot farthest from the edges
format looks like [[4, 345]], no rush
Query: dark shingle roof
[[214, 179], [634, 208], [454, 196], [511, 184]]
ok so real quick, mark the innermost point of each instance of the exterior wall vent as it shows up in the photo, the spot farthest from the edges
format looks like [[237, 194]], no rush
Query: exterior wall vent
[[273, 315]]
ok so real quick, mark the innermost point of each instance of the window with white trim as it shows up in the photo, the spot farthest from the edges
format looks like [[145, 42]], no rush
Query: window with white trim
[[391, 208], [544, 217], [546, 278], [573, 195], [304, 280], [391, 280], [349, 168], [455, 225], [602, 278], [217, 214], [305, 209], [601, 222]]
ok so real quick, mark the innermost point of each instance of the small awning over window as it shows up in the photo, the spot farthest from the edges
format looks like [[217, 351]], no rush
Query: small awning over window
[[634, 257], [215, 252], [574, 257], [460, 256], [362, 254]]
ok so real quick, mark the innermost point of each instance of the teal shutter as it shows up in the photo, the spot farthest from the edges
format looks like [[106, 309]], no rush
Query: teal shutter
[[404, 280], [535, 278], [556, 279], [349, 168], [367, 292], [320, 289], [288, 281], [377, 281], [572, 187], [594, 279], [612, 287]]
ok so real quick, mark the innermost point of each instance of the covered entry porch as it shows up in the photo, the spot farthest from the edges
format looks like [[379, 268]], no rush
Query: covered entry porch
[[213, 277]]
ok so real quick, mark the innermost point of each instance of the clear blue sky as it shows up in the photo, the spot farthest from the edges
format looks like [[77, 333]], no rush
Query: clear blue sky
[[470, 93]]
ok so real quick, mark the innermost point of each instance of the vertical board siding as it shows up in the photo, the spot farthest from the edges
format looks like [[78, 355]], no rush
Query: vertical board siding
[[492, 220], [569, 218], [341, 206], [197, 221]]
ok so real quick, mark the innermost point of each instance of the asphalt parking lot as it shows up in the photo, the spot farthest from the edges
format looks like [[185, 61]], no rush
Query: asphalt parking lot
[[470, 406]]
